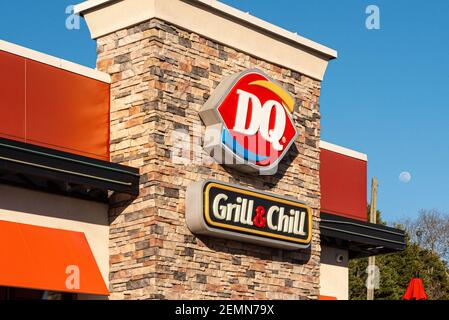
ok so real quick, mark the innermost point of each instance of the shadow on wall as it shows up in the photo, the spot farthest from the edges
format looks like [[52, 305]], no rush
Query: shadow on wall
[[14, 199], [267, 182], [236, 248]]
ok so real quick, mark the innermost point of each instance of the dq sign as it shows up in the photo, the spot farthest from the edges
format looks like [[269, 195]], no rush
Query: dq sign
[[248, 122]]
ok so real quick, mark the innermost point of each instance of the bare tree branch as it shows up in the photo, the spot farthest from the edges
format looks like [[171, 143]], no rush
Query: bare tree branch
[[430, 230]]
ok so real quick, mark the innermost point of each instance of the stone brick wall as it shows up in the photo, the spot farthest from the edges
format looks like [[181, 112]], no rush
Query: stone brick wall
[[162, 75]]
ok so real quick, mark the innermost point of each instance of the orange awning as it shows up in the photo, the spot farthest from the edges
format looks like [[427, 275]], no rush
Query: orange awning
[[48, 259], [327, 298]]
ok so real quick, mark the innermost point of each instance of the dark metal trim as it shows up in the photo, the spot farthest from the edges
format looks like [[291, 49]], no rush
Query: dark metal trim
[[42, 167], [362, 235], [361, 238], [72, 159], [367, 226]]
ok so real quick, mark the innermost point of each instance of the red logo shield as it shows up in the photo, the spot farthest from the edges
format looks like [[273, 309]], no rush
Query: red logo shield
[[249, 118]]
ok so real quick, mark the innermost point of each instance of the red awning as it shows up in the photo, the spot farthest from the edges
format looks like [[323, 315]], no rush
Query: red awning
[[415, 290], [48, 259]]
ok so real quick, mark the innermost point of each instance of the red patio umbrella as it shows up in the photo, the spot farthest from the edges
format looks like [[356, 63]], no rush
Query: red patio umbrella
[[415, 290]]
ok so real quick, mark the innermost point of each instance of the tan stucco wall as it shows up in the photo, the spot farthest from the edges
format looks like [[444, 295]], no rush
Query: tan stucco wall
[[55, 211], [334, 275]]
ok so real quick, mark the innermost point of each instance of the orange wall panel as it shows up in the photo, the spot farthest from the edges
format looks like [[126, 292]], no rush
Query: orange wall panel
[[67, 111], [48, 106], [12, 96], [343, 185]]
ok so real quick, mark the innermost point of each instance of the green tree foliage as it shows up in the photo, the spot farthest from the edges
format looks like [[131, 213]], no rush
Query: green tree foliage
[[396, 271]]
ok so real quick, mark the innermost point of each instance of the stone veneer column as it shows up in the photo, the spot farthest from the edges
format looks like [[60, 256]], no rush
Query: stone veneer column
[[161, 76]]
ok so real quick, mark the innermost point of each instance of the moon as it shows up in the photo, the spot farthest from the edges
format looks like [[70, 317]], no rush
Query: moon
[[405, 177]]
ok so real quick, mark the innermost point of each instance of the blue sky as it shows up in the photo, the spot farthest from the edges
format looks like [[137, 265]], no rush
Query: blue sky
[[386, 94]]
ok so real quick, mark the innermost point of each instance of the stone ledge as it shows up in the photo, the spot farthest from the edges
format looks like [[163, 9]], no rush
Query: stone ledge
[[215, 21]]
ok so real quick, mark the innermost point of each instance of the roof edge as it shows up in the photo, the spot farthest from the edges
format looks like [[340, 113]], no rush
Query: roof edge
[[344, 151], [213, 20], [54, 61], [237, 14]]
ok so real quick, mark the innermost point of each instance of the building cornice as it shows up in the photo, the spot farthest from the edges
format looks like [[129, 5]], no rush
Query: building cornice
[[54, 61], [344, 151], [216, 21]]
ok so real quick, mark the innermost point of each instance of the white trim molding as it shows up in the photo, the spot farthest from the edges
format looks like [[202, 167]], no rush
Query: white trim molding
[[54, 61], [216, 21], [344, 151]]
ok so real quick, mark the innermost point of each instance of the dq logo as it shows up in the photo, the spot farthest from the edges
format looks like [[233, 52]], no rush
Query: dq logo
[[248, 122]]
